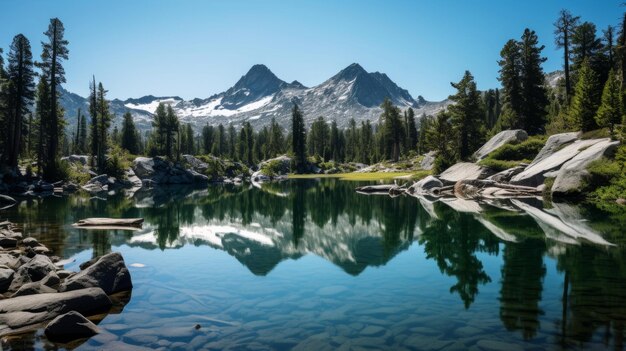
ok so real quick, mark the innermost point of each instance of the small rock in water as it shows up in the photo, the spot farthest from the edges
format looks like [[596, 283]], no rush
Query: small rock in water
[[137, 265], [198, 326]]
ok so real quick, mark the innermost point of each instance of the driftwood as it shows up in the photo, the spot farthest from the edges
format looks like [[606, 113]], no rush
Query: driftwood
[[378, 189], [6, 202], [110, 223]]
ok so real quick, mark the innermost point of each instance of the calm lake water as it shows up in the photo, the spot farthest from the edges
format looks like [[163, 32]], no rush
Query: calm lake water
[[312, 265]]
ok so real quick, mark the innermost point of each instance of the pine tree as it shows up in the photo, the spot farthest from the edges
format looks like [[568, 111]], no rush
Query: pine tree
[[76, 138], [207, 138], [535, 99], [104, 122], [610, 111], [93, 112], [130, 135], [189, 146], [20, 94], [232, 142], [335, 147], [621, 52], [41, 114], [392, 131], [276, 140], [298, 134], [585, 45], [609, 47], [352, 138], [439, 138], [171, 128], [466, 114], [53, 54], [510, 77], [422, 147], [219, 144], [318, 139], [366, 142], [564, 27], [411, 135], [586, 99]]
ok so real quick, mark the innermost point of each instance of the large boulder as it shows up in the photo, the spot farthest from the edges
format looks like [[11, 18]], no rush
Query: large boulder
[[534, 174], [109, 273], [554, 143], [196, 164], [502, 138], [28, 310], [428, 162], [32, 289], [278, 166], [143, 167], [37, 268], [156, 171], [572, 176], [6, 277], [83, 160], [70, 326], [464, 171]]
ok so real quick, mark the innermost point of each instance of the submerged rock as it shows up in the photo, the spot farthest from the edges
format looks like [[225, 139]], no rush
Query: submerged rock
[[109, 273], [70, 326], [500, 139]]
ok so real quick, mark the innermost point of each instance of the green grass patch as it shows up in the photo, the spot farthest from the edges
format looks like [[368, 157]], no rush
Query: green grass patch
[[500, 165], [356, 176], [596, 134]]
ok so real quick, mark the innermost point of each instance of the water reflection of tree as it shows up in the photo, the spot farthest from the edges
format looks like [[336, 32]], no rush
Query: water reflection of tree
[[453, 240], [594, 295], [522, 284]]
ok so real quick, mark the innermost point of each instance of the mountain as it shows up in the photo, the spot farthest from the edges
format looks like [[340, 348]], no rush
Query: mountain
[[259, 95]]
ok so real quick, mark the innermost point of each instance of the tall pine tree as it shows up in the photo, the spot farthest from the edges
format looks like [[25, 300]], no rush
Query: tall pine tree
[[563, 30], [20, 94], [130, 136], [610, 111], [586, 99], [534, 95], [53, 54], [466, 115], [298, 134]]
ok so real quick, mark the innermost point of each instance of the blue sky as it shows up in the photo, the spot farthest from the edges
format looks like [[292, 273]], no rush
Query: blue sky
[[196, 48]]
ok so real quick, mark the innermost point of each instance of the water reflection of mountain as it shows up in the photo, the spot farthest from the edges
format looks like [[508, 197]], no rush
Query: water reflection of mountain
[[260, 229]]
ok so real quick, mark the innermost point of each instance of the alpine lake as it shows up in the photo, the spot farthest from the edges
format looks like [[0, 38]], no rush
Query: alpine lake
[[312, 265]]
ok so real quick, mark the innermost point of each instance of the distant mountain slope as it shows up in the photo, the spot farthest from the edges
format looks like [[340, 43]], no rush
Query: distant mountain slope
[[259, 96]]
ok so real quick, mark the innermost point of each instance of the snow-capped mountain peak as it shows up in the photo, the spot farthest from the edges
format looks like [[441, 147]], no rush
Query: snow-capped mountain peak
[[259, 95]]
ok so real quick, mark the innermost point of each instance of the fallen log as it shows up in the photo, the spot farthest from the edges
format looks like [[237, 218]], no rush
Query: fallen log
[[6, 202], [109, 222], [384, 188]]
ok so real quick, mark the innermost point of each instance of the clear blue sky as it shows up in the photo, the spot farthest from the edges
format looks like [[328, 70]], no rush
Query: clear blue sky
[[197, 48]]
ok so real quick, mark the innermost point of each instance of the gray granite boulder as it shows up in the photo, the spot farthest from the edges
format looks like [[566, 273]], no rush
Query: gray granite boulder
[[554, 143], [70, 326], [109, 273], [502, 138], [428, 162], [573, 174], [6, 277], [464, 171], [534, 174], [28, 310]]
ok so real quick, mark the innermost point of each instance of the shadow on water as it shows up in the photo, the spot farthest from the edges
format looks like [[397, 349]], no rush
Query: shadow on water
[[286, 221]]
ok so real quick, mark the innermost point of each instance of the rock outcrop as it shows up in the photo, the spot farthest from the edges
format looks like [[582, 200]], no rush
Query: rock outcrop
[[502, 138], [572, 175], [109, 273], [154, 171], [464, 171], [534, 174]]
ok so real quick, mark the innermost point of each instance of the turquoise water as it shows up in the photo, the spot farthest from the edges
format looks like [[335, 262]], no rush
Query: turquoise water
[[312, 265]]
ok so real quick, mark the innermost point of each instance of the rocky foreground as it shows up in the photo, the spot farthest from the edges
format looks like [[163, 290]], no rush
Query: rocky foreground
[[563, 160], [35, 290]]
